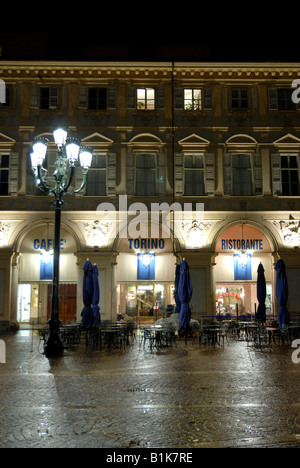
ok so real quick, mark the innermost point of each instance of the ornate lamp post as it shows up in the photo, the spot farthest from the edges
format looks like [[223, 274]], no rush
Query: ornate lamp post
[[59, 184]]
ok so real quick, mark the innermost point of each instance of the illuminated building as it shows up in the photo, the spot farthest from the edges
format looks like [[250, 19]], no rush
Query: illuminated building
[[223, 136]]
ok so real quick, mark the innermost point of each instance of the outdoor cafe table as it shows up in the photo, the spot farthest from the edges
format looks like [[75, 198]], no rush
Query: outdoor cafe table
[[212, 333], [271, 333], [112, 334], [153, 333]]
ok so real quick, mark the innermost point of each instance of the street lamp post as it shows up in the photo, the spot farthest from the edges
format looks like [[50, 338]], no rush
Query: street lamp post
[[59, 184]]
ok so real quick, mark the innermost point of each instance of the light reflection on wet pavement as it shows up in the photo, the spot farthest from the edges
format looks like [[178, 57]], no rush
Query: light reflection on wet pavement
[[180, 397]]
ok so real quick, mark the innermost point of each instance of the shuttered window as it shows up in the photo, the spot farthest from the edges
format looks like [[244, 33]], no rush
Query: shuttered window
[[145, 175], [96, 178], [44, 97], [286, 174], [194, 175], [242, 173], [4, 174], [192, 98], [281, 99]]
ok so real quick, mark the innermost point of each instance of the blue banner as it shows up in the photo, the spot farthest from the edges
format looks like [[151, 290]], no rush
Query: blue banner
[[46, 268], [145, 266], [242, 272]]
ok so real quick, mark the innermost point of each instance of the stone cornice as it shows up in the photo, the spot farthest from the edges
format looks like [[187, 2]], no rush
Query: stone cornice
[[27, 70]]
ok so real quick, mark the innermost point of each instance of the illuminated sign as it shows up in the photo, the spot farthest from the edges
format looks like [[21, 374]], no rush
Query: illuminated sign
[[148, 244], [47, 244], [242, 244]]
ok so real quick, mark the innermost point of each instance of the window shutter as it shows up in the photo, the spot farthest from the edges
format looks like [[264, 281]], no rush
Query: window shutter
[[179, 176], [257, 174], [54, 97], [227, 173], [207, 98], [130, 174], [273, 99], [13, 174], [298, 162], [78, 179], [210, 179], [34, 97], [160, 97], [161, 174], [276, 174], [111, 174], [131, 97], [82, 97], [178, 98], [111, 97]]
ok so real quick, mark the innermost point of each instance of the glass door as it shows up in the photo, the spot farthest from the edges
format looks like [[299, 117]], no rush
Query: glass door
[[24, 301]]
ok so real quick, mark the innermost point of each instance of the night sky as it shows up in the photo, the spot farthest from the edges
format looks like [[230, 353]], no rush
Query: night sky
[[145, 32]]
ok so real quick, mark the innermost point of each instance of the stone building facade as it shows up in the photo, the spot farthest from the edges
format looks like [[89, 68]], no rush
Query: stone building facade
[[220, 142]]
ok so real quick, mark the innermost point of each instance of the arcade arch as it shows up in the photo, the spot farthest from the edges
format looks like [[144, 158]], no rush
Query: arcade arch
[[240, 248]]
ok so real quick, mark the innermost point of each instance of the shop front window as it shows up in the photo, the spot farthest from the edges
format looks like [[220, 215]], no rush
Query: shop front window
[[147, 301]]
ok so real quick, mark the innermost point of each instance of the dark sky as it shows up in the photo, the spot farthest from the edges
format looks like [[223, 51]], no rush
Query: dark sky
[[246, 32]]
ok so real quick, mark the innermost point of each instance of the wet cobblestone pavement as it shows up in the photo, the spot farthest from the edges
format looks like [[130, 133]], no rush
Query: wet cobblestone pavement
[[181, 397]]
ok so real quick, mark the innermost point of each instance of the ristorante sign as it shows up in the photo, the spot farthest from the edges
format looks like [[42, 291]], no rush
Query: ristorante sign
[[242, 244]]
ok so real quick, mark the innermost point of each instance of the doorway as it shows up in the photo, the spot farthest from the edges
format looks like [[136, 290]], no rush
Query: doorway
[[28, 303], [67, 302]]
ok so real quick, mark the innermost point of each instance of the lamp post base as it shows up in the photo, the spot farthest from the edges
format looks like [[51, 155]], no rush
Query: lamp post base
[[53, 346]]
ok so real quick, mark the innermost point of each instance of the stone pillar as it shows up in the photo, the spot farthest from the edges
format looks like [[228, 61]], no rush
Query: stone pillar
[[114, 286], [14, 288], [291, 258]]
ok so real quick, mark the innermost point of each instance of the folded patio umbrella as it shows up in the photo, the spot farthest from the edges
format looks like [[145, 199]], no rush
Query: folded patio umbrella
[[185, 291], [177, 300], [282, 293], [87, 295], [96, 296], [261, 294]]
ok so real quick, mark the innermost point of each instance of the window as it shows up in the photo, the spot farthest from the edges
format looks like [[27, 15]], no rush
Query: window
[[8, 98], [97, 98], [281, 99], [44, 97], [239, 98], [96, 179], [241, 175], [4, 174], [194, 175], [48, 98], [145, 99], [289, 175], [145, 175], [192, 99]]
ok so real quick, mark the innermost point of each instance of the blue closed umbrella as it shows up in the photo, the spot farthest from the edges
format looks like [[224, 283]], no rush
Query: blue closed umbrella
[[185, 291], [177, 300], [87, 295], [261, 294], [96, 296], [282, 293]]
